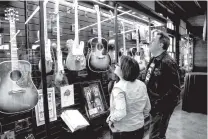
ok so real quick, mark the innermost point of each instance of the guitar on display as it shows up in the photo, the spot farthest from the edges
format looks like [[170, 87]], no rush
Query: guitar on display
[[137, 56], [124, 39], [48, 57], [17, 90], [59, 68], [75, 60], [98, 58]]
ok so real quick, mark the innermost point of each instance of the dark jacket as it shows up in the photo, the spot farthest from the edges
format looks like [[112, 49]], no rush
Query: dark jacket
[[164, 83]]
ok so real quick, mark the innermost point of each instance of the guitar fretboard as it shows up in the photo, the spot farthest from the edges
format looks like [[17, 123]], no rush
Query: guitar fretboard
[[99, 24], [76, 39], [13, 45]]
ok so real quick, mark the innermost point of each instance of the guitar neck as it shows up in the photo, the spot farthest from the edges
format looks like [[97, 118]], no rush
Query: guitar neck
[[45, 24], [58, 49], [76, 22], [57, 25], [47, 42], [124, 39], [99, 24], [137, 40], [14, 55]]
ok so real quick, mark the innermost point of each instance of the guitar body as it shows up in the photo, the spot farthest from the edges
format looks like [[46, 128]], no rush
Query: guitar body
[[111, 50], [48, 58], [48, 65], [75, 62], [17, 91], [98, 59]]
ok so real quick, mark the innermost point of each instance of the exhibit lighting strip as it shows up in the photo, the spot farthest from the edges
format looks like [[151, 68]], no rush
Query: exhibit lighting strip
[[36, 10], [119, 10], [15, 36], [65, 3], [126, 31], [104, 20]]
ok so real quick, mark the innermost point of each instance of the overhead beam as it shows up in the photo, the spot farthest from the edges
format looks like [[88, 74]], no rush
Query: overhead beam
[[197, 3], [179, 6]]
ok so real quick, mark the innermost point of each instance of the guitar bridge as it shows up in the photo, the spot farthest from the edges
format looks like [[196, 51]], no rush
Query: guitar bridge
[[16, 92]]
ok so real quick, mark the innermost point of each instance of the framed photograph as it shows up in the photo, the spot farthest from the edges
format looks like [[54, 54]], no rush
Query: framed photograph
[[95, 103]]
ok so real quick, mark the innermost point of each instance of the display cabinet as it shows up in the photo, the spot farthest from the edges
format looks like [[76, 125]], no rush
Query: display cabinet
[[57, 56]]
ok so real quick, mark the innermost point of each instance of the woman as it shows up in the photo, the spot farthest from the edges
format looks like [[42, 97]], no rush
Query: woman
[[129, 102]]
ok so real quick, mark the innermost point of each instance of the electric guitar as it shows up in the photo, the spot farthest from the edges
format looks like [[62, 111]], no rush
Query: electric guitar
[[111, 50], [123, 50], [60, 78], [111, 43], [75, 60], [48, 58], [137, 57], [98, 59], [124, 39], [17, 91]]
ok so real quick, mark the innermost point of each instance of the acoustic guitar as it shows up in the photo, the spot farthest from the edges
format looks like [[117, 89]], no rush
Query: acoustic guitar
[[60, 78], [98, 59], [17, 91], [48, 58], [75, 60]]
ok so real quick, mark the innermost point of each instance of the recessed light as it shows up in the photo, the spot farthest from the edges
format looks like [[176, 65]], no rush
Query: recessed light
[[120, 7]]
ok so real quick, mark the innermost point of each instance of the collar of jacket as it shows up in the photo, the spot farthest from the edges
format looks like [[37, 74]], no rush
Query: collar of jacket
[[160, 57]]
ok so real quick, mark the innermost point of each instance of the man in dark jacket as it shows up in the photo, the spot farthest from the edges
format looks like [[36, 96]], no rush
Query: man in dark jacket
[[163, 85]]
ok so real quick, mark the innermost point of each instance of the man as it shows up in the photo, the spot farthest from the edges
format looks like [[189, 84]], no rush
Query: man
[[162, 80]]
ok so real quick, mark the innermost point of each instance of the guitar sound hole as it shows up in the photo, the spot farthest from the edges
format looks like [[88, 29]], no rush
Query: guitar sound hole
[[15, 75], [99, 46]]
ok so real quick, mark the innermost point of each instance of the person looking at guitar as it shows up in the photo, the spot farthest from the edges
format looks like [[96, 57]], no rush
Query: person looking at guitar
[[129, 101], [163, 85]]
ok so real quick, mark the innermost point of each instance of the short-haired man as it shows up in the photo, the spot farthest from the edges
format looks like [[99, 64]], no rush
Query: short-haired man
[[162, 80]]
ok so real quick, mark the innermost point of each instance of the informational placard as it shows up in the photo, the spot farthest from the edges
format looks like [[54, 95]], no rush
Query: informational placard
[[39, 108], [67, 95]]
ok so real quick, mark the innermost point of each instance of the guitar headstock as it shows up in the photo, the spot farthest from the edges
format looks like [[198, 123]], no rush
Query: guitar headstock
[[69, 44], [56, 7], [11, 14], [97, 9]]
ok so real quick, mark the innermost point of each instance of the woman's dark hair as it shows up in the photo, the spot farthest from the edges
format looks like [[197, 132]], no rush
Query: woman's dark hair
[[129, 68]]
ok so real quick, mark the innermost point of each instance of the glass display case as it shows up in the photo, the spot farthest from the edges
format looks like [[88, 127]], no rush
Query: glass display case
[[186, 53]]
